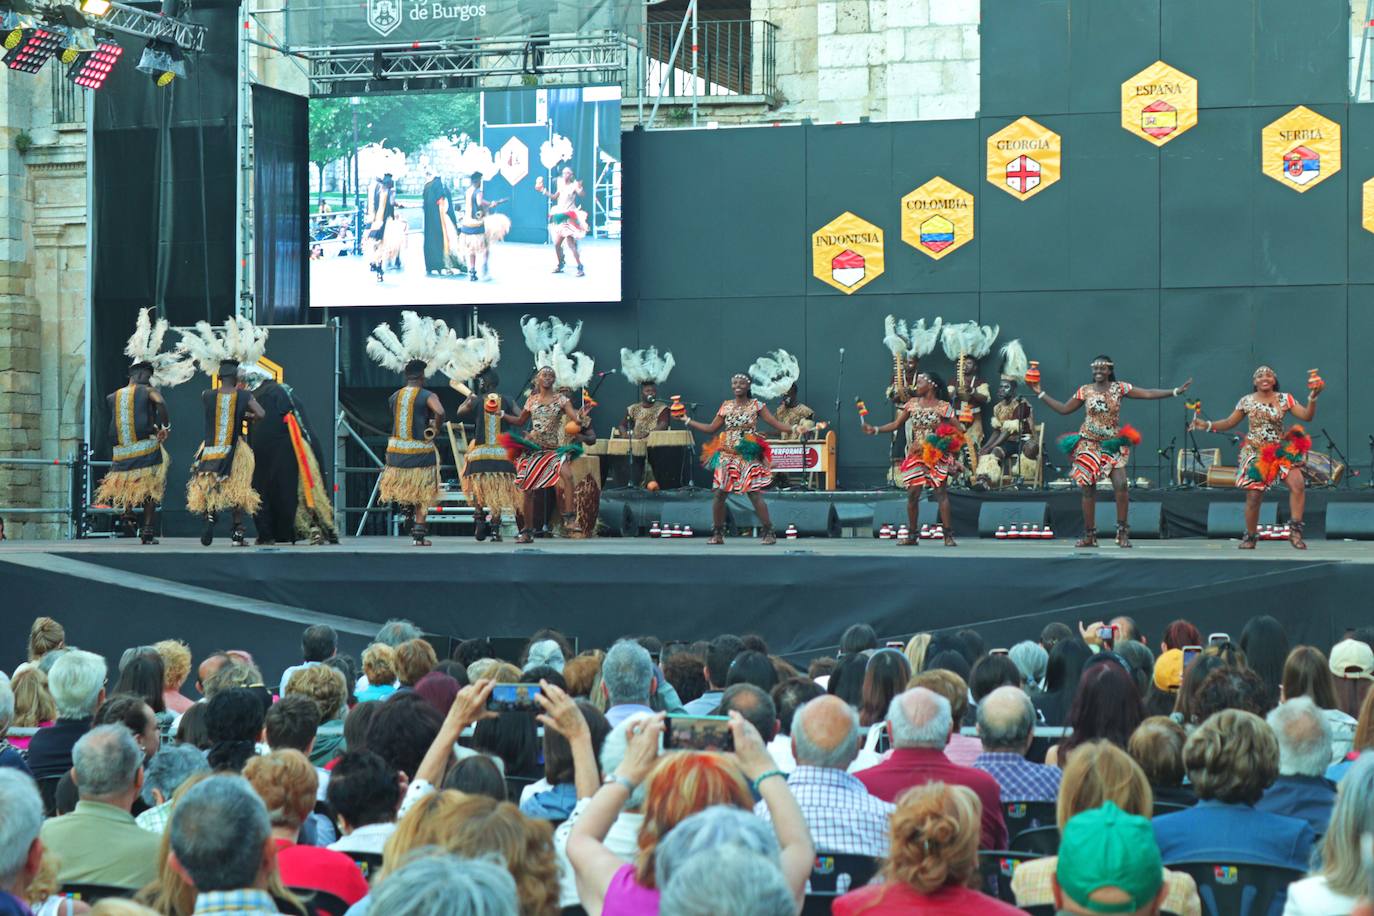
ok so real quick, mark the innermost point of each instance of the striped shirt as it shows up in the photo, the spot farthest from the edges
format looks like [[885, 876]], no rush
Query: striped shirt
[[843, 817], [1020, 779]]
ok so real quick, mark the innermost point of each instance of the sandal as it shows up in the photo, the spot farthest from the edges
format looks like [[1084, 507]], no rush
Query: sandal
[[909, 542], [769, 538], [949, 540], [717, 535], [239, 537], [526, 536], [417, 536], [1123, 535], [1248, 540], [147, 537], [1089, 538], [1295, 535]]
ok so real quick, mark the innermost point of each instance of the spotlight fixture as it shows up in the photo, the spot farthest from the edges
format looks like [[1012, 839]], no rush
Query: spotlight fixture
[[91, 69], [95, 8], [27, 49], [163, 61]]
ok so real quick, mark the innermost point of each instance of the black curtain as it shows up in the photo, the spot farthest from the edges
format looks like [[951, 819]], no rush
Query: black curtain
[[281, 192]]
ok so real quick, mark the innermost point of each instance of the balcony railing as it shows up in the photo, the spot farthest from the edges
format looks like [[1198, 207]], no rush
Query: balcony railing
[[736, 62], [68, 100]]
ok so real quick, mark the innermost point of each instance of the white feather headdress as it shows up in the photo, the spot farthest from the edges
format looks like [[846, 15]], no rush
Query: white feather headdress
[[968, 339], [640, 366], [144, 346], [772, 375], [1014, 362], [543, 336], [907, 340], [569, 370], [237, 340], [471, 356], [427, 340]]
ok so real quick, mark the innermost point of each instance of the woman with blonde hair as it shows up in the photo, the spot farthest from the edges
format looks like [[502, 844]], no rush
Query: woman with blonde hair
[[379, 667], [1098, 772], [1342, 875], [45, 635], [34, 706], [933, 856], [916, 652], [176, 668]]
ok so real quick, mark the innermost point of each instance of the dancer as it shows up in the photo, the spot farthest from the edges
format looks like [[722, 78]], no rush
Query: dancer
[[138, 425], [222, 475], [907, 344], [480, 228], [932, 455], [541, 458], [289, 474], [795, 414], [965, 344], [411, 477], [1013, 424], [441, 236], [567, 221], [648, 370], [381, 207], [1102, 445], [1270, 454], [488, 474], [739, 457]]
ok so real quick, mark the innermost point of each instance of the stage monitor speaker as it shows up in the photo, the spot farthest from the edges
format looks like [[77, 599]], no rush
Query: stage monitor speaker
[[893, 512], [694, 512], [1227, 520], [813, 519], [1145, 518], [1354, 521], [995, 514], [616, 516]]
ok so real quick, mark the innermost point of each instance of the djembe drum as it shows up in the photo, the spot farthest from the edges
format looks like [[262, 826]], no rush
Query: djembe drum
[[668, 456]]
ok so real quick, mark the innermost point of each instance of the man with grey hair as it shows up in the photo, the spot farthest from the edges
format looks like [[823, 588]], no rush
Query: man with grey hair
[[77, 685], [841, 814], [714, 863], [21, 851], [1006, 725], [450, 887], [921, 723], [221, 842], [99, 842], [1301, 791], [170, 767], [627, 681]]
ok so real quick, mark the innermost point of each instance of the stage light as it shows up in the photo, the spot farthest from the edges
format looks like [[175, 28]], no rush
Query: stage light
[[95, 8], [92, 68], [163, 61], [28, 49]]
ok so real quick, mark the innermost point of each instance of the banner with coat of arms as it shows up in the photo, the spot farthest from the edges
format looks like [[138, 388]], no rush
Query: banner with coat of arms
[[1367, 211], [1159, 103], [937, 218], [1024, 158], [847, 253], [1301, 149]]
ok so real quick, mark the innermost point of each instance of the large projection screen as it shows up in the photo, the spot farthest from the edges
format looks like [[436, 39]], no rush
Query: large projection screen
[[395, 213]]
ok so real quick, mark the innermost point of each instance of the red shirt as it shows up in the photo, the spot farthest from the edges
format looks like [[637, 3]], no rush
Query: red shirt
[[317, 869], [881, 899], [916, 766]]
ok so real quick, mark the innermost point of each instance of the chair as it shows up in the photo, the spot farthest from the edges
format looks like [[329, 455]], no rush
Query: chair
[[1042, 841], [369, 863], [318, 902], [1028, 815], [825, 884], [997, 867], [1044, 909], [92, 893], [47, 789], [1239, 889], [1162, 808]]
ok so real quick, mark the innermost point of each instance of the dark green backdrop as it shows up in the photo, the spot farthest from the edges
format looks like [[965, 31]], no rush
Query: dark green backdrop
[[1176, 262]]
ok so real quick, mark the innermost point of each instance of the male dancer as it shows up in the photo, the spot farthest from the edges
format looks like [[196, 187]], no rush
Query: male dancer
[[289, 472]]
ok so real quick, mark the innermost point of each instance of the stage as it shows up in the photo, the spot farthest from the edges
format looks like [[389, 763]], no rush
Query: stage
[[799, 595]]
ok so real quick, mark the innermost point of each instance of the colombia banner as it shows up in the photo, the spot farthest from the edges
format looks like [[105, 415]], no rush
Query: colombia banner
[[937, 218]]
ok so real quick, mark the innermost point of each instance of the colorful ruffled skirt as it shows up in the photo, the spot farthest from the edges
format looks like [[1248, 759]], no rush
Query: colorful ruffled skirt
[[744, 469], [1263, 465], [934, 460], [1094, 459]]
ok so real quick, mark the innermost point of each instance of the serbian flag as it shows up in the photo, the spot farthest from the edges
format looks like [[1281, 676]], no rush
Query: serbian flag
[[1301, 165]]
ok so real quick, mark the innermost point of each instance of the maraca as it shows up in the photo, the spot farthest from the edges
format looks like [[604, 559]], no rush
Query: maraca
[[492, 403], [677, 408], [1314, 381], [1033, 373], [863, 410]]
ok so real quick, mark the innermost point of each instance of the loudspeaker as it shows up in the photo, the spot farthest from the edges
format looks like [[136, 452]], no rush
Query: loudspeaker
[[694, 512], [813, 519], [1145, 518], [995, 514], [1350, 520], [615, 515], [893, 512], [1227, 520]]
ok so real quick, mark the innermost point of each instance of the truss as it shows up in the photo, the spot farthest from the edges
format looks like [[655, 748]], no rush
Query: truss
[[130, 20]]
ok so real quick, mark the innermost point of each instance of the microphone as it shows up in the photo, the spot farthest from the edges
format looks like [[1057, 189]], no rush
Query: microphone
[[605, 372]]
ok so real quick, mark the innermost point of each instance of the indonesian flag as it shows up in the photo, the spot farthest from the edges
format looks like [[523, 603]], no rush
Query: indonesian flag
[[1023, 174], [847, 267]]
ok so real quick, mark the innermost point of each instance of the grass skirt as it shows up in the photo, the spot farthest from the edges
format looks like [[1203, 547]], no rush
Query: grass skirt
[[412, 487], [493, 491], [131, 489], [207, 492], [322, 513]]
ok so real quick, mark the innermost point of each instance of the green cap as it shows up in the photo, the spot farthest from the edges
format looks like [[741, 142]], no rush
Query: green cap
[[1106, 847]]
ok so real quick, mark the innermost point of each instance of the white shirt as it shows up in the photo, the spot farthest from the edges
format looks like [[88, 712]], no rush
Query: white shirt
[[1313, 897], [367, 838], [780, 749], [622, 839]]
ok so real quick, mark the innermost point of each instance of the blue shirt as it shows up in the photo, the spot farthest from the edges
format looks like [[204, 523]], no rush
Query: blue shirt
[[1309, 798], [1214, 831], [554, 804], [1021, 780], [705, 704], [11, 757]]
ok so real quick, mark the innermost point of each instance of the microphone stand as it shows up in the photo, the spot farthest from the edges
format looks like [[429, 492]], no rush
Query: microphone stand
[[1336, 450], [1191, 435]]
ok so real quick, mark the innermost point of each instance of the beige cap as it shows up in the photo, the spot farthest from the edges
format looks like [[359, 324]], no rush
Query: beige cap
[[1353, 659]]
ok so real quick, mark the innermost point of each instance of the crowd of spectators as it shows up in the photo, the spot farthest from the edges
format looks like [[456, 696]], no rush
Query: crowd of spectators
[[1088, 771]]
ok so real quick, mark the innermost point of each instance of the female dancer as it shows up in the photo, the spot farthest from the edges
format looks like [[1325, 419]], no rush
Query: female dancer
[[480, 227], [739, 458], [1102, 445], [381, 209], [1270, 454], [540, 462], [932, 454], [567, 221]]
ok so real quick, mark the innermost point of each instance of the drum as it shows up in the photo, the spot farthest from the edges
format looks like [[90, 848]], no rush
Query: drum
[[1221, 475], [597, 448], [620, 467], [1321, 470], [1191, 466], [668, 456]]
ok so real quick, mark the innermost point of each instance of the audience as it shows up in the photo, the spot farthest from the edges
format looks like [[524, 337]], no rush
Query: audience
[[414, 659], [916, 652], [176, 668], [1361, 742], [33, 704], [163, 775], [477, 774], [1157, 747], [1306, 674], [1352, 664], [962, 749], [1031, 659], [1301, 789], [1342, 873], [233, 727], [751, 667], [858, 637], [755, 705], [379, 670], [21, 851], [847, 680], [1062, 672], [77, 683], [137, 716], [788, 697], [10, 756], [719, 656], [1006, 726], [221, 842], [1265, 645], [99, 842], [318, 643], [45, 635], [628, 682], [453, 886], [554, 797], [364, 794], [1106, 707], [328, 689], [1231, 687], [1107, 864]]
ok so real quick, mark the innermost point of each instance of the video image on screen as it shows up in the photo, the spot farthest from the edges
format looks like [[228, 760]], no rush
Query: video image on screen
[[465, 198]]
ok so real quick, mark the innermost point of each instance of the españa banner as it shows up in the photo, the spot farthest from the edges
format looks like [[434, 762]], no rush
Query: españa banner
[[937, 218], [847, 253], [1368, 211], [1301, 149], [1024, 158], [1159, 103]]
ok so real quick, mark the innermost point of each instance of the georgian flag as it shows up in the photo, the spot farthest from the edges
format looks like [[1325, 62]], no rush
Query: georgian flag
[[1023, 174]]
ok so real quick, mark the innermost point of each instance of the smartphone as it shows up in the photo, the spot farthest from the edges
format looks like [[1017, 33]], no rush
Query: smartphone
[[1106, 635], [1217, 639], [895, 644], [1190, 653], [999, 652], [698, 733], [514, 698]]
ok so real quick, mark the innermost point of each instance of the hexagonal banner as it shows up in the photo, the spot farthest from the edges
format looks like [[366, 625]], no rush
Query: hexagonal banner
[[514, 161], [1024, 158], [847, 253], [1301, 149], [937, 218], [1368, 210], [1159, 103]]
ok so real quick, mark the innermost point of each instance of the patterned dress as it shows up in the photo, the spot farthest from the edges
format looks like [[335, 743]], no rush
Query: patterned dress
[[923, 419], [644, 418], [1101, 421], [1266, 428], [538, 470], [732, 471]]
